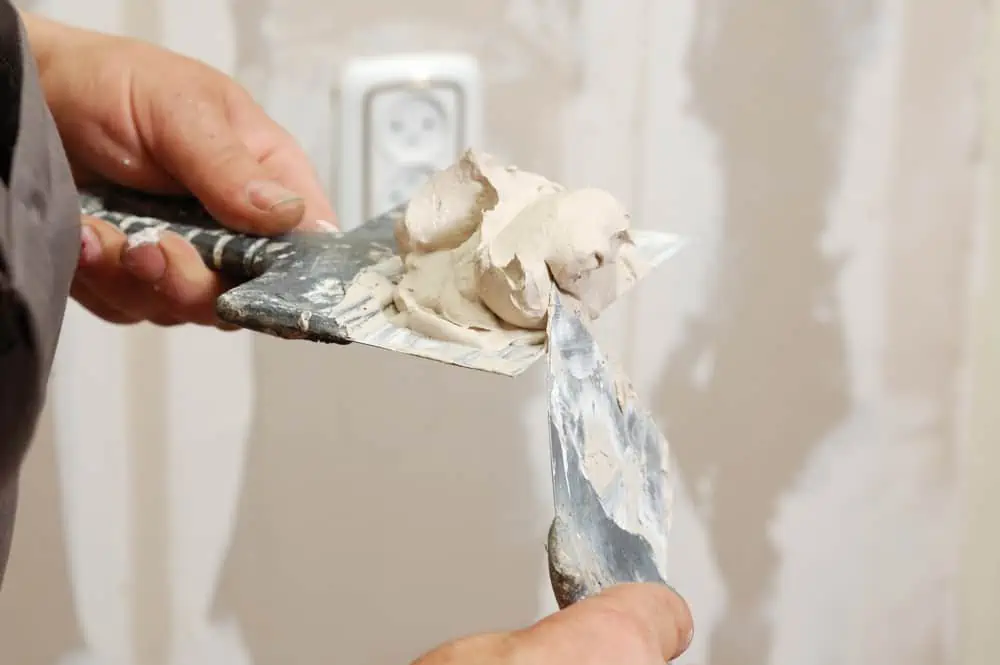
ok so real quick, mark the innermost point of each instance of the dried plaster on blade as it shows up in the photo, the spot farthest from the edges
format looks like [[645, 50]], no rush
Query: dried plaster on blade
[[483, 244]]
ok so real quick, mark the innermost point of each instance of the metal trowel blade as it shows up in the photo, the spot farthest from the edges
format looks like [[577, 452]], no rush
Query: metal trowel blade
[[610, 476]]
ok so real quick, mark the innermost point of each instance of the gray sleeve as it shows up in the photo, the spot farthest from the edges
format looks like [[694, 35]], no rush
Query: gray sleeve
[[39, 249]]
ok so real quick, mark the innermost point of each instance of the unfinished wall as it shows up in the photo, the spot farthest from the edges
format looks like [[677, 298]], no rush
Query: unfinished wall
[[805, 354]]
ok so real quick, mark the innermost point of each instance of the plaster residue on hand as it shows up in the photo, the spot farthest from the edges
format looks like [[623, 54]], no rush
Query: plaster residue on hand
[[483, 244], [150, 235]]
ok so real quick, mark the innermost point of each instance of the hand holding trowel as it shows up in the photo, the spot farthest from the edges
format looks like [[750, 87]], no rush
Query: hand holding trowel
[[325, 286]]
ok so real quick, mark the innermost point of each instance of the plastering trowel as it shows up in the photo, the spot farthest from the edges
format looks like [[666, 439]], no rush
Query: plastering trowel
[[610, 478], [295, 286], [609, 460]]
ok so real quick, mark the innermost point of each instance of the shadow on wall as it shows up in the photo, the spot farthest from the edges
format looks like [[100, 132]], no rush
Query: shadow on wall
[[387, 506], [773, 331], [37, 616]]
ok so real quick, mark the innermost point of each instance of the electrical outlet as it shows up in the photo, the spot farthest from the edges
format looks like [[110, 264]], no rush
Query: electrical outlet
[[402, 118]]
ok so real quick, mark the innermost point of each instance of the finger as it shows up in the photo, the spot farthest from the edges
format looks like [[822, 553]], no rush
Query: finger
[[188, 285], [125, 300], [173, 268], [299, 176], [296, 173], [86, 296], [122, 272], [626, 624], [194, 140], [130, 303], [101, 246], [278, 151]]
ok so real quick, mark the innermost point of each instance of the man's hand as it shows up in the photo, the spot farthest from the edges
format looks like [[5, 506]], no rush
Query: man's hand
[[143, 117], [634, 624]]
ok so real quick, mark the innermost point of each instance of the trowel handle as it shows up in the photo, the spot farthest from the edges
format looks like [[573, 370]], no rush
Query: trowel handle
[[235, 255]]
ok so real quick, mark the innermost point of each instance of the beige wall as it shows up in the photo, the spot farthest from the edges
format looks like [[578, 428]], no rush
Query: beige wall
[[981, 560], [807, 356]]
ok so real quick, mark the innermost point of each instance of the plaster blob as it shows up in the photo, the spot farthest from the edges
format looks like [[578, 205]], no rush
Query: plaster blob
[[575, 240], [483, 244]]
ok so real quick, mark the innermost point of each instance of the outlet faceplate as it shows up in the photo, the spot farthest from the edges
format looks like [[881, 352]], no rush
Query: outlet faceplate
[[402, 118]]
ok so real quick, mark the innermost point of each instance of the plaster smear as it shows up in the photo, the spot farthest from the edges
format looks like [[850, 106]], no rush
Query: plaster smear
[[483, 244]]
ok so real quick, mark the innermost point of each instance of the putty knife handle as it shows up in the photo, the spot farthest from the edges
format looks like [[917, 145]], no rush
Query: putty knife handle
[[233, 254]]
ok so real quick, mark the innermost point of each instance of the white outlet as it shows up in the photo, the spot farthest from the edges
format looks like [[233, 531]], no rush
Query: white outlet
[[403, 118]]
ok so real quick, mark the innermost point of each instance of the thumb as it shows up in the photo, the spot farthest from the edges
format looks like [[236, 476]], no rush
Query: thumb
[[201, 150], [630, 623]]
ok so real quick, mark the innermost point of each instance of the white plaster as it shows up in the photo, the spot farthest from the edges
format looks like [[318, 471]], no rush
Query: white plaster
[[865, 511], [88, 392], [694, 567], [680, 185], [210, 394], [678, 188], [884, 547], [859, 211]]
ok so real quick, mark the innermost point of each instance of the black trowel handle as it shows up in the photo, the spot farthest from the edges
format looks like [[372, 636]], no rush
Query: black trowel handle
[[235, 255]]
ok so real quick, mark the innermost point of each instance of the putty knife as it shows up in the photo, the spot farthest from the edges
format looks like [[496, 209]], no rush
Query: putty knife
[[610, 475], [294, 286]]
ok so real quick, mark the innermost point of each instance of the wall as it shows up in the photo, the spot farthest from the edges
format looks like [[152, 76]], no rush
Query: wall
[[981, 561], [806, 355]]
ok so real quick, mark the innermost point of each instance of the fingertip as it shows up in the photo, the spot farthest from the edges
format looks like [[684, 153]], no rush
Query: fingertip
[[633, 621], [270, 196], [661, 609], [143, 257], [283, 217], [100, 246], [258, 208], [90, 247]]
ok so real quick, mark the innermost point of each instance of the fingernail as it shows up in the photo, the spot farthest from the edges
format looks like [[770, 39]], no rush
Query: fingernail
[[317, 226], [142, 255], [267, 195], [90, 246], [688, 639]]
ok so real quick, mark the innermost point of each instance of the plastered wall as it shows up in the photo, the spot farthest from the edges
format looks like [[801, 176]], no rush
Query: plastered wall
[[808, 356]]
